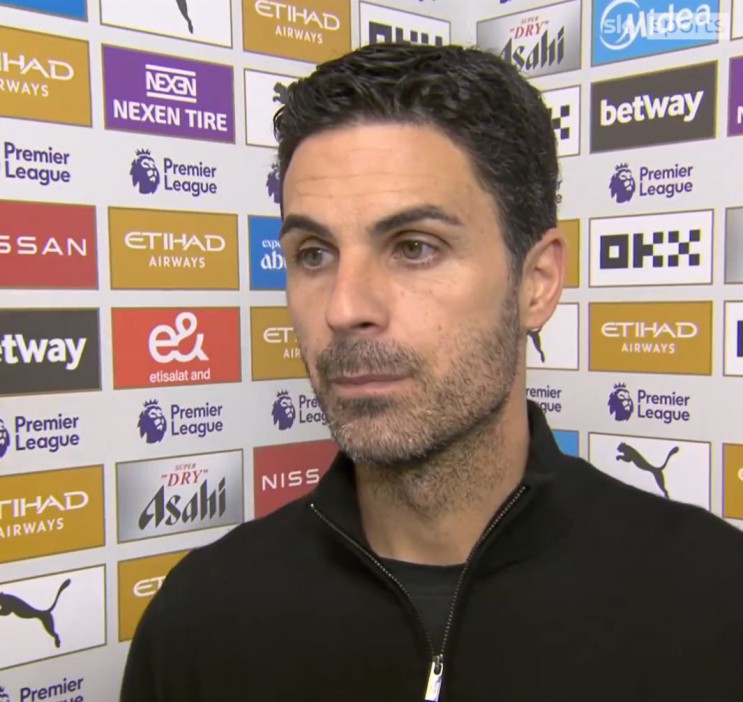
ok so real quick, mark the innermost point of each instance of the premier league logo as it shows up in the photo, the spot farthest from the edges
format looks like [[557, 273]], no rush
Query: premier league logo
[[622, 185], [272, 183], [284, 413], [152, 424], [4, 446], [621, 405], [4, 696], [144, 172]]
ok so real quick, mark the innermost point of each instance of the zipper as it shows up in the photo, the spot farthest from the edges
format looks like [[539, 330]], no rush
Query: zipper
[[436, 671]]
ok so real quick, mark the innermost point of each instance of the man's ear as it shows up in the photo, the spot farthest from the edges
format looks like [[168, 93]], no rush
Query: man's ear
[[543, 275]]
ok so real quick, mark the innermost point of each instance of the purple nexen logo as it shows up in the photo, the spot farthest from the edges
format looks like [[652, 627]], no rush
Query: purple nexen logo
[[620, 403], [622, 185], [168, 95], [152, 424], [284, 413]]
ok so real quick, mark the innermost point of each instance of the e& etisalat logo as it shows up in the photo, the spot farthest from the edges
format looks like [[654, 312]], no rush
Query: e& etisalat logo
[[194, 179], [664, 107], [654, 182], [307, 410], [541, 41], [626, 29], [668, 408], [185, 420]]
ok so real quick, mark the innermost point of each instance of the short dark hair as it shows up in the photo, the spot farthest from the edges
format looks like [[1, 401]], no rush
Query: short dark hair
[[477, 99]]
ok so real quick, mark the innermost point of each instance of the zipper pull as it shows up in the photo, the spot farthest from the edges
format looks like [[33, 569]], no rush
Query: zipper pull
[[434, 679]]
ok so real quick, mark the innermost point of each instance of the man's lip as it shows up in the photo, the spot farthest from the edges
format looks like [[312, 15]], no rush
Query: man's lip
[[363, 379]]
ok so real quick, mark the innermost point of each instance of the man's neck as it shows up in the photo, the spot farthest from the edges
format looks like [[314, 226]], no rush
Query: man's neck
[[433, 512]]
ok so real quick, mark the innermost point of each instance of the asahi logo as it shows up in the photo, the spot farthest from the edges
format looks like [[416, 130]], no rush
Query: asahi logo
[[539, 42], [180, 494], [665, 107]]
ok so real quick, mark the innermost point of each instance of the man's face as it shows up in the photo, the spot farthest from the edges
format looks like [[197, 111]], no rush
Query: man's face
[[399, 289]]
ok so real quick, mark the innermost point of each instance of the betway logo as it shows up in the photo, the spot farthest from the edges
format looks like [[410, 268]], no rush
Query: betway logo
[[16, 348], [646, 107]]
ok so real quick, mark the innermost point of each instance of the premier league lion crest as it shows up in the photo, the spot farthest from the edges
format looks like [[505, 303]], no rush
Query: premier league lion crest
[[4, 446], [144, 172], [152, 423], [4, 696], [620, 403], [284, 413], [273, 185], [622, 185]]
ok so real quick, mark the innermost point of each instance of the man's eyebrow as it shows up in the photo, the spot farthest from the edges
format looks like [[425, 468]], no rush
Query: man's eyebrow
[[389, 223]]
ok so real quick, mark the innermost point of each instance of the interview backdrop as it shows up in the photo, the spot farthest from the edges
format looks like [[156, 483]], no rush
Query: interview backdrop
[[151, 391]]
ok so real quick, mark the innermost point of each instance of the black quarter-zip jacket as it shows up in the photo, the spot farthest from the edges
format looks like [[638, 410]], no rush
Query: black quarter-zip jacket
[[581, 588]]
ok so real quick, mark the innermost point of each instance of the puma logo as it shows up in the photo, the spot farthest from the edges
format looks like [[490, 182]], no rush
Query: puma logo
[[10, 604], [629, 454], [281, 93], [537, 341]]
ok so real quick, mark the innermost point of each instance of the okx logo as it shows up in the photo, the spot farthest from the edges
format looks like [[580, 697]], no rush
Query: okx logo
[[49, 350], [167, 95], [564, 107], [156, 347], [647, 405], [626, 29], [674, 248], [671, 469], [384, 25], [539, 42], [664, 107]]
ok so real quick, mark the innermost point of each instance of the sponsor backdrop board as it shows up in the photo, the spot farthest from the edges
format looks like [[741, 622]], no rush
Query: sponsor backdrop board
[[152, 395]]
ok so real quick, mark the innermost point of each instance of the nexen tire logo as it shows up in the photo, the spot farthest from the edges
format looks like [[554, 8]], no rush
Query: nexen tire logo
[[645, 110]]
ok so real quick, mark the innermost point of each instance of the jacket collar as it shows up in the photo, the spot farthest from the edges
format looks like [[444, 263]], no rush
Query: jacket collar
[[535, 522]]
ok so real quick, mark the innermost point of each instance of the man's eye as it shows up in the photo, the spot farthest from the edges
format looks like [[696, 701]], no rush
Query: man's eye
[[311, 257], [413, 250]]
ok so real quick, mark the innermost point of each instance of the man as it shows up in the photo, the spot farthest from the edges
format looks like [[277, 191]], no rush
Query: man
[[451, 552]]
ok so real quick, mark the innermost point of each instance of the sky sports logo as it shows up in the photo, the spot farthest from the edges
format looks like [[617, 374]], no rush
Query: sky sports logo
[[168, 95], [673, 248], [49, 350], [626, 29], [665, 107]]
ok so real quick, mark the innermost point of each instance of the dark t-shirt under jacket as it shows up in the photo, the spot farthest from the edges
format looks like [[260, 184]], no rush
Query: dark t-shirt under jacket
[[581, 589]]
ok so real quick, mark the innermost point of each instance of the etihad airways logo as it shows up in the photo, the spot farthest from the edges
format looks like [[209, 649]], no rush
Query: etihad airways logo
[[306, 30], [44, 77], [651, 337], [665, 107], [172, 250], [156, 347], [274, 347]]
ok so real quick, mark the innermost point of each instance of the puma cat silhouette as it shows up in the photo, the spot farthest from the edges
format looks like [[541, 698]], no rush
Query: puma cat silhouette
[[629, 454], [537, 341], [183, 7], [280, 93], [10, 604]]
